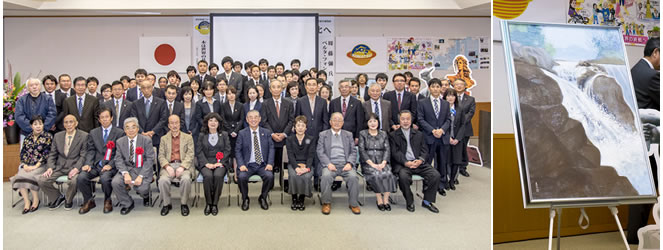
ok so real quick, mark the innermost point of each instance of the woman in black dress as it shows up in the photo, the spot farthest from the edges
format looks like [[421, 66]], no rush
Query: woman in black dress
[[211, 142], [232, 112], [374, 156], [456, 129], [301, 150]]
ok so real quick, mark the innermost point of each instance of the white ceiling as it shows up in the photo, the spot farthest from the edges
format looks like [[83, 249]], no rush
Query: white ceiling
[[204, 7]]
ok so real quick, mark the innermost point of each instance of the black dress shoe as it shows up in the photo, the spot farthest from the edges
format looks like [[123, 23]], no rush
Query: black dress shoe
[[410, 207], [263, 203], [442, 192], [33, 209], [336, 185], [464, 173], [57, 203], [185, 210], [208, 209], [295, 203], [387, 207], [447, 186], [301, 202], [452, 186], [456, 182], [68, 206], [166, 209], [25, 211], [215, 210], [126, 210], [146, 201], [245, 205], [430, 207], [380, 206]]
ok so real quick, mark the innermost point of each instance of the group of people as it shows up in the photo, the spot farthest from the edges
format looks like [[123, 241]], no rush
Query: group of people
[[220, 123]]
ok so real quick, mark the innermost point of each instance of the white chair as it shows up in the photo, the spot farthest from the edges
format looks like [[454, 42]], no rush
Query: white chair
[[650, 236]]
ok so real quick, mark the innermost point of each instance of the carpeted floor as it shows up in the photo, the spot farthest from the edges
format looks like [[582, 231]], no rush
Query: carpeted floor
[[599, 241], [463, 223]]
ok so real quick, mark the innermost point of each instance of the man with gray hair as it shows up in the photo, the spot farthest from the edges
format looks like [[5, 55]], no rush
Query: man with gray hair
[[338, 157], [34, 103], [133, 159]]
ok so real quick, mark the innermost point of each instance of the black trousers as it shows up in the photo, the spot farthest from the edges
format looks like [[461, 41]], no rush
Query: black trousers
[[278, 161], [255, 169], [465, 141], [213, 183], [431, 182], [84, 182], [439, 154], [639, 214]]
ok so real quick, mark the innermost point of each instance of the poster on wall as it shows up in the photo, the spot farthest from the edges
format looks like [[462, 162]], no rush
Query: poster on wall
[[326, 49], [163, 54], [361, 54], [578, 134], [409, 53], [638, 19], [200, 45], [445, 51]]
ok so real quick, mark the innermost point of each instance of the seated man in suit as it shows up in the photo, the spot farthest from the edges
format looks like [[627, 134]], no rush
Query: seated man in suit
[[408, 157], [65, 158], [98, 163], [338, 156], [255, 156], [378, 106], [82, 106], [121, 107], [134, 171], [176, 158]]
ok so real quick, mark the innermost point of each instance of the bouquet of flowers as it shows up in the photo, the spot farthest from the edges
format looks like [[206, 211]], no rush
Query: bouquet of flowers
[[13, 90]]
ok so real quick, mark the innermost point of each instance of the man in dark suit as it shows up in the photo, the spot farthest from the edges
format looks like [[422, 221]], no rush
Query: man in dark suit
[[98, 163], [232, 78], [136, 93], [202, 75], [408, 157], [174, 107], [467, 107], [379, 106], [314, 108], [263, 64], [65, 159], [121, 108], [350, 107], [255, 156], [158, 92], [191, 73], [65, 85], [133, 172], [415, 84], [50, 83], [82, 106], [253, 81], [435, 121], [278, 115], [400, 100], [646, 83], [152, 114]]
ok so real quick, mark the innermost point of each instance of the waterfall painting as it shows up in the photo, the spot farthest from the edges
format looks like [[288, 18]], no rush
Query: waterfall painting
[[578, 135]]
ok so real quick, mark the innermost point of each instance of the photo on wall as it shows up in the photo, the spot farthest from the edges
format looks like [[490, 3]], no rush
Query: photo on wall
[[578, 134]]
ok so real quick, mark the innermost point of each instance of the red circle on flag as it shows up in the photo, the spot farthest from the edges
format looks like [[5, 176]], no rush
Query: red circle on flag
[[164, 54]]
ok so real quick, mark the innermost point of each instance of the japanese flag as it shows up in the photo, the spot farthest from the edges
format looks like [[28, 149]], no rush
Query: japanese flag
[[162, 54]]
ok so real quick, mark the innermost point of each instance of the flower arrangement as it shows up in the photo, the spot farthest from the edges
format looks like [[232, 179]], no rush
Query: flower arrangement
[[13, 91]]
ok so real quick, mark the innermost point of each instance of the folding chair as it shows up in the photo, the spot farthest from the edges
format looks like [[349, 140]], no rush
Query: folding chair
[[253, 179], [340, 178], [415, 178], [199, 180]]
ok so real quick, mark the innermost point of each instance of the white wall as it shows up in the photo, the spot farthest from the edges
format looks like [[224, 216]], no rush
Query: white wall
[[537, 11], [107, 47]]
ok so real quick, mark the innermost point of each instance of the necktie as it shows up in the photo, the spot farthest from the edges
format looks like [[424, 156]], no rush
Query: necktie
[[377, 112], [117, 112], [256, 148], [67, 145], [131, 152], [51, 96], [223, 98], [453, 112], [437, 109], [140, 94], [263, 77], [399, 101], [147, 108], [80, 106], [170, 108], [105, 135], [345, 107], [278, 110]]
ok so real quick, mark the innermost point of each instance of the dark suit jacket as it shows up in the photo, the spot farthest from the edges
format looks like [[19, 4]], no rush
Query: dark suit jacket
[[366, 96], [407, 102], [90, 106], [96, 147], [318, 120], [420, 96], [206, 153], [468, 106], [123, 161], [192, 122], [248, 83], [157, 119], [354, 120], [232, 121], [398, 146], [178, 109], [202, 109], [385, 109], [58, 161], [244, 146], [125, 112], [132, 94], [427, 121], [59, 101], [208, 77], [646, 82], [236, 80], [247, 108], [277, 124], [71, 92]]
